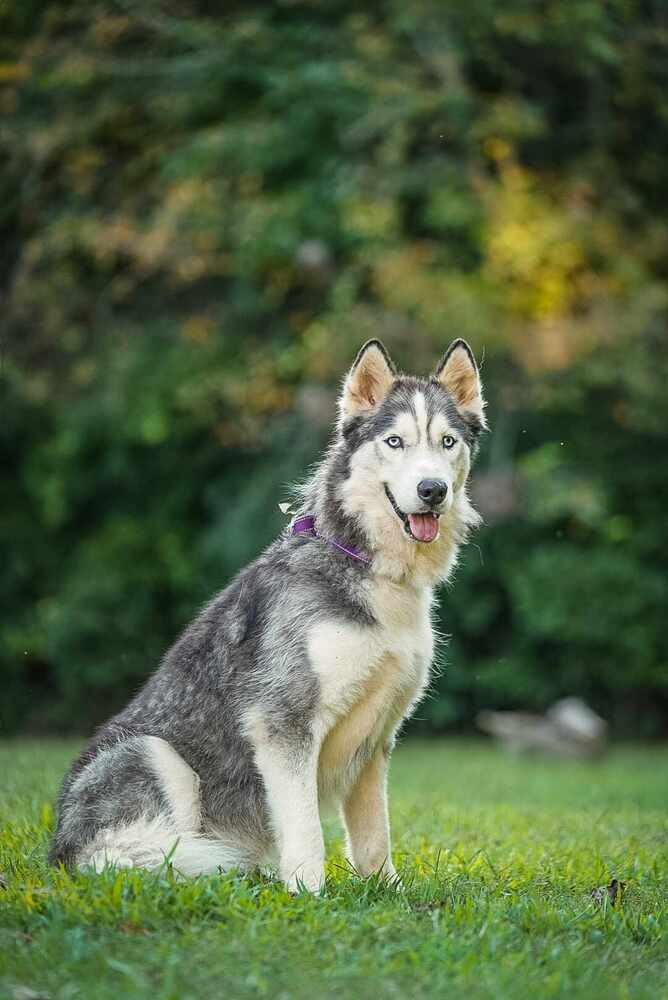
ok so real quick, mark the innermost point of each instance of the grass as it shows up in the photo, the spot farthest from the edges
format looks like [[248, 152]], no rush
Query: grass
[[499, 858]]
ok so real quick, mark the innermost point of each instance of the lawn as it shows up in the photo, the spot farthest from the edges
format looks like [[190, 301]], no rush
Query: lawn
[[499, 858]]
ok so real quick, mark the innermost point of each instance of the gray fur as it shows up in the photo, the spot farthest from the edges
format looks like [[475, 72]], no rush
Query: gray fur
[[245, 649]]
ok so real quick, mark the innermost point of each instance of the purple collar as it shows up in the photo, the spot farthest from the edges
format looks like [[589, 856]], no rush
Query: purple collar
[[305, 525]]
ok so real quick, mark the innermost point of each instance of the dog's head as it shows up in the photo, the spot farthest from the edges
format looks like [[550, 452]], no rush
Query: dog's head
[[409, 443]]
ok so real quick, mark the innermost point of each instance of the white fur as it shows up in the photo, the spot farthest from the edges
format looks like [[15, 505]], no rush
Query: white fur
[[373, 667], [174, 838], [420, 404], [152, 843], [292, 795], [179, 783]]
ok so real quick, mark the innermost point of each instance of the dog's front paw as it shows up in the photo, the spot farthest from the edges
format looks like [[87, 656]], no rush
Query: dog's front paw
[[376, 863], [305, 877]]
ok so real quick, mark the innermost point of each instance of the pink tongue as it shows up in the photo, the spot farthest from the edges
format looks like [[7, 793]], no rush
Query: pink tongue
[[423, 526]]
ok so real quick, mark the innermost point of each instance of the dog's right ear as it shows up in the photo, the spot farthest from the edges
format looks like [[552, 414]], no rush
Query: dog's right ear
[[368, 381]]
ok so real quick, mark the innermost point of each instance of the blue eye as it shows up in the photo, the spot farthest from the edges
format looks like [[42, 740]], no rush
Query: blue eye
[[394, 441], [449, 441]]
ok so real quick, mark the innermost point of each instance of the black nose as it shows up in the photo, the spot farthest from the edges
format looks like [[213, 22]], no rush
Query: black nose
[[432, 491]]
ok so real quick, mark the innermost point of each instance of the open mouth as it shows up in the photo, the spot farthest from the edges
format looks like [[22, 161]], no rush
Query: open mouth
[[422, 527]]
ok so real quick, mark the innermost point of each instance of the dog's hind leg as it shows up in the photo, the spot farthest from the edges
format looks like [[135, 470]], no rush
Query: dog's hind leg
[[137, 803]]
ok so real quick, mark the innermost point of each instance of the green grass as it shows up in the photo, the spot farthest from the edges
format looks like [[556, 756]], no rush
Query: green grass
[[499, 858]]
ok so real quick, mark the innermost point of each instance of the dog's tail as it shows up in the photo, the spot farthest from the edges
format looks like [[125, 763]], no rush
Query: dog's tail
[[153, 844]]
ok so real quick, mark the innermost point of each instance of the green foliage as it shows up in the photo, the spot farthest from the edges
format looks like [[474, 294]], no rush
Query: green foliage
[[203, 215], [498, 856]]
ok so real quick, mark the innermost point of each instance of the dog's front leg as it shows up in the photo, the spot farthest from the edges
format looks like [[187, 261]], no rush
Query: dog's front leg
[[291, 785], [367, 821]]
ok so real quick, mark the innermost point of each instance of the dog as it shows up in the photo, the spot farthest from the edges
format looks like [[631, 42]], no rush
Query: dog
[[287, 692]]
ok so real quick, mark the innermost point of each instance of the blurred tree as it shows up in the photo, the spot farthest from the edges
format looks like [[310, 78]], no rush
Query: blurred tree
[[202, 216]]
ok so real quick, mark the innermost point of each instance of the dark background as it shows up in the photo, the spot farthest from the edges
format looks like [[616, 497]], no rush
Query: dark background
[[202, 217]]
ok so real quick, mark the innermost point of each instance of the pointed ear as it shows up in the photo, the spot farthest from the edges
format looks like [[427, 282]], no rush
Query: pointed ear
[[458, 372], [368, 381]]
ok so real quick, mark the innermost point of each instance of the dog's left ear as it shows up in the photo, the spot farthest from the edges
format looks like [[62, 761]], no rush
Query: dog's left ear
[[368, 381], [458, 372]]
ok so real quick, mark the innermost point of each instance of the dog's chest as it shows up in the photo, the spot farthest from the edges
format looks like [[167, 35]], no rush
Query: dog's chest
[[370, 678]]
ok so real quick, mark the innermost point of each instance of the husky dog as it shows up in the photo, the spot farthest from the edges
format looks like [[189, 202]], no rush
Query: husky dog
[[286, 693]]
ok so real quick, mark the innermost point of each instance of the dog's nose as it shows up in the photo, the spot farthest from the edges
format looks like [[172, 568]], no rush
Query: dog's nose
[[432, 491]]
